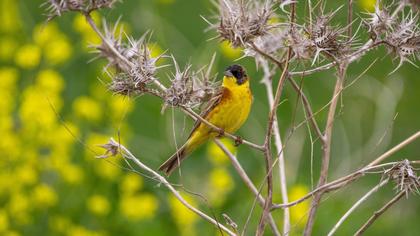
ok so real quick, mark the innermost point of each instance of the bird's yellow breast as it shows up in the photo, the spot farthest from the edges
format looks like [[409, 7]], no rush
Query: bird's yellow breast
[[233, 110]]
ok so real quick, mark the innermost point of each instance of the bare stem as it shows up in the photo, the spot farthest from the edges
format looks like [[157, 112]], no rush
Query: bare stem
[[309, 113], [326, 149], [248, 183], [378, 213], [128, 155], [279, 147], [351, 177], [267, 145], [357, 204], [395, 149]]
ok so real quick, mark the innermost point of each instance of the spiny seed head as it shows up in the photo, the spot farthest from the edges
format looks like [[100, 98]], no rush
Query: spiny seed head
[[127, 85], [378, 22], [57, 7], [188, 88], [132, 60], [270, 43], [404, 39], [240, 22], [302, 45], [404, 176], [325, 39]]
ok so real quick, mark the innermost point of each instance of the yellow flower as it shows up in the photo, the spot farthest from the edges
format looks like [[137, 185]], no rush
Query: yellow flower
[[71, 173], [35, 110], [299, 213], [216, 154], [59, 223], [368, 5], [98, 205], [136, 207], [43, 33], [131, 183], [50, 80], [4, 221], [87, 108], [182, 215], [18, 204], [82, 26], [120, 107], [8, 47], [107, 168], [11, 233], [9, 16], [44, 196], [220, 180], [230, 52], [220, 184], [28, 56], [81, 231], [26, 174], [58, 50], [9, 76], [93, 141]]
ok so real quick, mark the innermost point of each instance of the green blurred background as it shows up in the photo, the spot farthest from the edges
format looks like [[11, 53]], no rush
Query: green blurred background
[[55, 110]]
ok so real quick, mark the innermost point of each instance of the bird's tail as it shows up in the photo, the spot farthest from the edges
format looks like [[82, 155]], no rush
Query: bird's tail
[[175, 160]]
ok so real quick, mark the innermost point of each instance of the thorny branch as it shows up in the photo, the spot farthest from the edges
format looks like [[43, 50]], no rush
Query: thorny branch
[[113, 145], [247, 24]]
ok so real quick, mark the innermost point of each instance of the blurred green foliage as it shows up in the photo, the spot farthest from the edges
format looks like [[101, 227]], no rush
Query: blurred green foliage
[[55, 112]]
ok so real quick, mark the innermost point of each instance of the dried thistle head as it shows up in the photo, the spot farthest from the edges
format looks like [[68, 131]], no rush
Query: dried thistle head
[[302, 44], [404, 39], [240, 21], [188, 88], [327, 39], [57, 7], [379, 22], [271, 43], [405, 177], [135, 67]]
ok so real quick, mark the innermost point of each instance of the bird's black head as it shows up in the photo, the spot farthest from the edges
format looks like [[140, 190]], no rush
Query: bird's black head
[[238, 72]]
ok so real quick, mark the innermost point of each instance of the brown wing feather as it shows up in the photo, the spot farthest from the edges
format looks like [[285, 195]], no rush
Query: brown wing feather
[[212, 103]]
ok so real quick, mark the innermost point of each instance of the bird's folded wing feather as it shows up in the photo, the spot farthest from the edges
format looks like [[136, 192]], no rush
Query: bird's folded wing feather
[[211, 104]]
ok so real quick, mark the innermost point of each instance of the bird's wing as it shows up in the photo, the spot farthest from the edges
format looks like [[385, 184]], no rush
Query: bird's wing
[[212, 103]]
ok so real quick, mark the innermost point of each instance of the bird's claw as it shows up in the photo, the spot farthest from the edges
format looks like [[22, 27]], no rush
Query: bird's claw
[[238, 141], [221, 133]]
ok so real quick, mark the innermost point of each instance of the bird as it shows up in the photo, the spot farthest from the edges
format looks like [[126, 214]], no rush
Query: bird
[[228, 109]]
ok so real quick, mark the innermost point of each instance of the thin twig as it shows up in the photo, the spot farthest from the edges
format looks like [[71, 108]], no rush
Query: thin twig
[[309, 113], [248, 183], [267, 145], [326, 149], [346, 179], [360, 201], [279, 148], [127, 154], [395, 149], [378, 213]]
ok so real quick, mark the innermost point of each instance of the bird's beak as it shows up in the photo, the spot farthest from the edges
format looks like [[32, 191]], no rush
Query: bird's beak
[[228, 73]]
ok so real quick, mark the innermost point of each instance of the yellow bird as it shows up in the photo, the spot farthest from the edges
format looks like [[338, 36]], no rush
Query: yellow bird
[[228, 109]]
